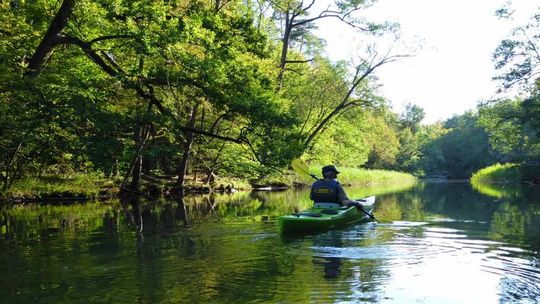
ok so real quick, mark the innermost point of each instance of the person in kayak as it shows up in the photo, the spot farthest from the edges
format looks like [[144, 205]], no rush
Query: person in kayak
[[329, 190]]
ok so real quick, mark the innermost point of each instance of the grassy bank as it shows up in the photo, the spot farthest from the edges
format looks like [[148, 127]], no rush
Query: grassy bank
[[348, 176], [507, 173], [94, 185], [76, 185], [498, 173], [365, 177]]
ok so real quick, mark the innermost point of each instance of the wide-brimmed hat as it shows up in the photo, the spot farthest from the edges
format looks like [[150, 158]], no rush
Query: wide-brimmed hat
[[329, 168]]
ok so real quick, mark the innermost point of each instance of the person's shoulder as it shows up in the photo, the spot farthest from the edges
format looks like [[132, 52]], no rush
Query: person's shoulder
[[318, 182], [329, 182]]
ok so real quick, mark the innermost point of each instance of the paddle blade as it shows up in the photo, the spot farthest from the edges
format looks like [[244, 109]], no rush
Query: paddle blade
[[302, 169]]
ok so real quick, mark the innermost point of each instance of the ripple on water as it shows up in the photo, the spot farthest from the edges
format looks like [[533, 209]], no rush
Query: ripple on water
[[421, 251]]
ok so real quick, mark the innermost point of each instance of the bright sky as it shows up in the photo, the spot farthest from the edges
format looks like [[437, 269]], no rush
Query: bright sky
[[455, 40]]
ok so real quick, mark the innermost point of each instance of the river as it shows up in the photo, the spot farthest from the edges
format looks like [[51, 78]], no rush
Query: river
[[434, 243]]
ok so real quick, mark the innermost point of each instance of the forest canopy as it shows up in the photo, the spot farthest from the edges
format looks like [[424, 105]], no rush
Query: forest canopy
[[230, 88]]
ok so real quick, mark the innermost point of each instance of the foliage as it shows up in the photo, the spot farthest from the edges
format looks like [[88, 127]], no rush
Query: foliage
[[383, 139], [514, 128], [513, 124], [460, 151], [343, 143], [516, 58], [363, 177], [78, 185], [412, 117], [497, 173]]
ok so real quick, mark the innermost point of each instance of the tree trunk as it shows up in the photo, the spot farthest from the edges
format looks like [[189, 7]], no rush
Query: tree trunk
[[134, 170], [181, 212], [323, 123], [136, 175], [50, 40], [210, 173], [284, 49], [10, 166], [189, 135]]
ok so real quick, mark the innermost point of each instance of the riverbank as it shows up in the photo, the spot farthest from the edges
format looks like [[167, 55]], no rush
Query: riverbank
[[507, 173], [65, 187], [93, 186]]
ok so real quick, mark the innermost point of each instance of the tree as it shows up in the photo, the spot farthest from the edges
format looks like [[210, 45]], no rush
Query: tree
[[412, 117], [165, 60], [465, 146], [517, 58], [514, 128], [297, 19]]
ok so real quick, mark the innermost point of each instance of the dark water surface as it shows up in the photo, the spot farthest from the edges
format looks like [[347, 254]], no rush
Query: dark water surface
[[436, 243]]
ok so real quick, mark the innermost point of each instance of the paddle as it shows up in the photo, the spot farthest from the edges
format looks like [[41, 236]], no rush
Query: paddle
[[301, 168]]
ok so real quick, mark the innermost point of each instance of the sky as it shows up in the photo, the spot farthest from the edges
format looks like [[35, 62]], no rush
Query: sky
[[452, 42]]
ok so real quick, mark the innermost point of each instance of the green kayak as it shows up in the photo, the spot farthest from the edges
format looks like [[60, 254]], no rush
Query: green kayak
[[323, 216]]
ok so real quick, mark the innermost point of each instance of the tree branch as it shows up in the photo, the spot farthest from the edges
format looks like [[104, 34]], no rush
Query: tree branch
[[51, 38], [299, 61], [110, 37]]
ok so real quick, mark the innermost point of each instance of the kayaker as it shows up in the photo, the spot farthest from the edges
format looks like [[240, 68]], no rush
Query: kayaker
[[329, 190]]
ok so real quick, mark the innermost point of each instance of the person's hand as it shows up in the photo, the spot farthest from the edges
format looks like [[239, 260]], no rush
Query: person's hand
[[359, 205]]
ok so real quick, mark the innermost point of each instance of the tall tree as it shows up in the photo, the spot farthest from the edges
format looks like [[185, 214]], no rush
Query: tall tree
[[297, 19], [412, 117], [166, 55]]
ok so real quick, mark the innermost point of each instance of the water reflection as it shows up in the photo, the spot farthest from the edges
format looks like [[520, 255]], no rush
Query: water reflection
[[436, 239]]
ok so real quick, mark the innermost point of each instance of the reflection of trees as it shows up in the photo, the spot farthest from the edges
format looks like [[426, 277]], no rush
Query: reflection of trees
[[90, 252], [517, 223], [451, 200], [388, 209], [21, 223], [131, 204], [32, 237], [400, 206], [515, 218], [499, 190]]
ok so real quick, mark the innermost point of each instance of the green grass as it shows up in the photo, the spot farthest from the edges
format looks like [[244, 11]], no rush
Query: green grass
[[72, 185], [366, 177], [286, 178], [498, 173]]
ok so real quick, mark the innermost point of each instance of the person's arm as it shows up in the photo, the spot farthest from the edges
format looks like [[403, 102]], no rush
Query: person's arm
[[342, 196], [345, 201]]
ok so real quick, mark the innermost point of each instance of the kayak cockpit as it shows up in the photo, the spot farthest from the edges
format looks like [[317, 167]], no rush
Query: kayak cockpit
[[326, 216]]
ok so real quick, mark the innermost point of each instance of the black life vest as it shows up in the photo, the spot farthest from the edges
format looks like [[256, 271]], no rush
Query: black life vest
[[325, 191]]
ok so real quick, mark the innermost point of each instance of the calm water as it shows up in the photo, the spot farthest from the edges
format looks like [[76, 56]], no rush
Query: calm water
[[436, 243]]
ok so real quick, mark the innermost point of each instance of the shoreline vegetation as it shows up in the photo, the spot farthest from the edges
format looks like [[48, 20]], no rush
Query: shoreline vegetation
[[193, 98], [68, 188], [93, 186], [507, 173]]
